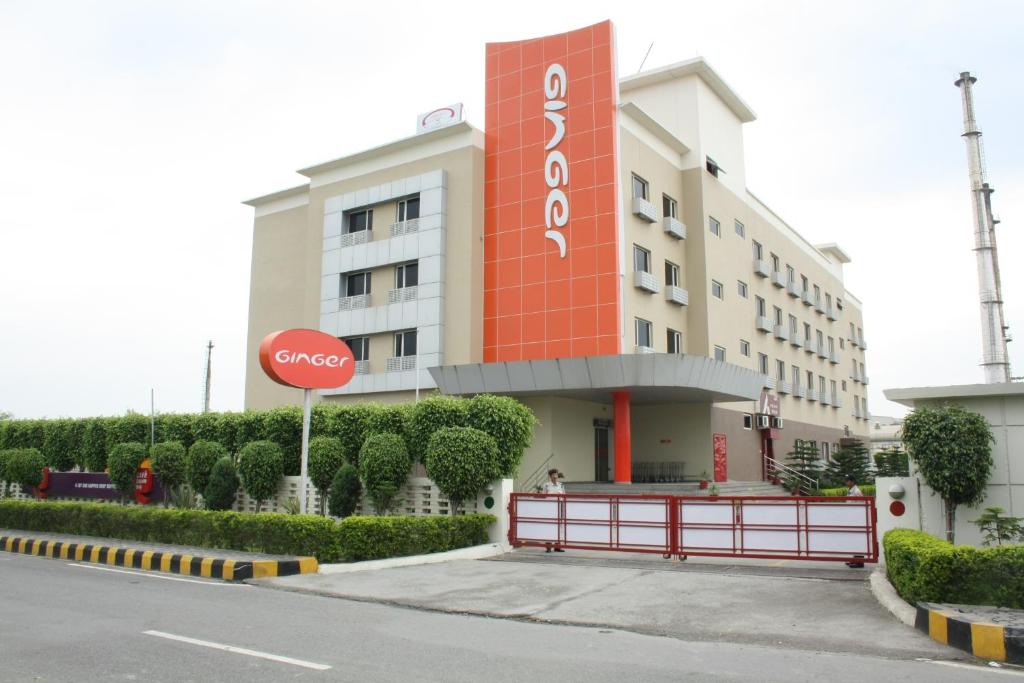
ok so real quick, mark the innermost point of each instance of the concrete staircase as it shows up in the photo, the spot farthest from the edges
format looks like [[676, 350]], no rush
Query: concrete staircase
[[728, 488]]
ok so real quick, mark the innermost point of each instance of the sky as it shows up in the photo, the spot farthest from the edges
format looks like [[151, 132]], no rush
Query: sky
[[130, 132]]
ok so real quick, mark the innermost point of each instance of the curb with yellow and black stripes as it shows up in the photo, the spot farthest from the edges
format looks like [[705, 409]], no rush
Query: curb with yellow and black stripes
[[984, 639], [153, 560]]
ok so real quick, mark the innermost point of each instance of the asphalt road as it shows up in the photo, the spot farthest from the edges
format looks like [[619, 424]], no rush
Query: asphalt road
[[62, 622]]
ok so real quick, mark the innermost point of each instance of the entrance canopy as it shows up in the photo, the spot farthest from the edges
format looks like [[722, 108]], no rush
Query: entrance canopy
[[648, 377]]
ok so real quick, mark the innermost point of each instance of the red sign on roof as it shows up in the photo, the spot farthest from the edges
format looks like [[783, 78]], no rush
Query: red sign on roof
[[306, 359]]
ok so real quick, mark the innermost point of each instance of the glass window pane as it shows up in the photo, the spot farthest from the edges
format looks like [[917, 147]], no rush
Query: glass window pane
[[412, 208]]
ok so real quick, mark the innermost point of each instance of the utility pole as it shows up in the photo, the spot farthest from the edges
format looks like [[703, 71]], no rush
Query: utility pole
[[206, 389]]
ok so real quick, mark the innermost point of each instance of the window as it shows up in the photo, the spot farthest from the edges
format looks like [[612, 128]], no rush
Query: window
[[807, 331], [844, 385], [778, 315], [821, 384], [842, 343], [356, 283], [821, 340], [790, 274], [803, 283], [796, 377], [828, 300], [839, 303], [360, 347], [359, 221], [831, 345], [643, 333], [408, 209], [405, 343], [759, 306], [762, 363], [741, 229], [673, 341], [758, 250], [817, 293], [853, 332], [716, 290], [741, 288], [780, 370], [671, 274], [714, 226], [712, 166], [744, 348], [720, 353], [793, 326], [669, 207], [407, 275], [640, 187], [776, 263], [641, 259], [810, 380], [860, 333], [748, 421], [826, 451], [832, 385]]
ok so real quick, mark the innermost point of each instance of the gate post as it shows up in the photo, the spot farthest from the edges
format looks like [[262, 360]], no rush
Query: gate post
[[623, 454]]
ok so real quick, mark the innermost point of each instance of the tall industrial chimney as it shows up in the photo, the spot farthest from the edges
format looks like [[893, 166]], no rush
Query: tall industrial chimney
[[993, 327]]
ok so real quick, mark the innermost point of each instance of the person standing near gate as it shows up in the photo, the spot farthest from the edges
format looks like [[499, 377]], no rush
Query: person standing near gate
[[853, 490], [552, 485]]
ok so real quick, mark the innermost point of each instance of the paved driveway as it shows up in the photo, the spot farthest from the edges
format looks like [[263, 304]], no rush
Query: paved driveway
[[790, 605]]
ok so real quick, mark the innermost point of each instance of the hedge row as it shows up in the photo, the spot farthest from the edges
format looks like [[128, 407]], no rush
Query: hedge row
[[86, 442], [924, 568], [866, 489], [352, 539]]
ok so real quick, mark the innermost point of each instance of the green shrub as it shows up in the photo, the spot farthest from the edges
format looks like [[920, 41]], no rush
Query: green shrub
[[924, 568], [168, 459], [264, 533], [326, 456], [94, 444], [346, 491], [429, 415], [131, 428], [283, 426], [866, 489], [384, 467], [25, 467], [5, 457], [176, 427], [261, 465], [351, 425], [222, 487], [202, 456], [123, 462], [372, 538], [509, 422], [60, 445], [462, 461], [386, 419]]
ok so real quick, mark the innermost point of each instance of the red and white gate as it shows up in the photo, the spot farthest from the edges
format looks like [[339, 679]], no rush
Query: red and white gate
[[774, 527]]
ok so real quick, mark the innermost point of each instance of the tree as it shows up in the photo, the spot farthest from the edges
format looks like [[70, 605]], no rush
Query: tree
[[202, 456], [384, 467], [24, 467], [261, 465], [122, 463], [952, 448], [346, 491], [509, 422], [892, 462], [850, 460], [5, 457], [462, 461], [94, 444], [998, 528], [169, 460], [326, 456], [428, 416], [805, 461], [222, 487]]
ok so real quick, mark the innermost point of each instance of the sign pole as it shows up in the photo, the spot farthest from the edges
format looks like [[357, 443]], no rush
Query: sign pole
[[304, 475]]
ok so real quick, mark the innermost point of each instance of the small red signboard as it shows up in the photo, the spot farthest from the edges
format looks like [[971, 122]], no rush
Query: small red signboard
[[721, 458]]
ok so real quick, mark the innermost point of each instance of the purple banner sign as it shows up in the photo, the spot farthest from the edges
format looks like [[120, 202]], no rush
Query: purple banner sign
[[98, 485]]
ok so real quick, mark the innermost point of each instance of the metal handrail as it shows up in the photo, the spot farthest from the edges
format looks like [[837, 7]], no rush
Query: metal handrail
[[533, 481], [789, 472]]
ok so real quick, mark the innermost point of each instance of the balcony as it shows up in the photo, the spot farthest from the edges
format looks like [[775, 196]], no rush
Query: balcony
[[644, 210], [400, 363], [856, 411], [853, 341], [812, 395], [784, 387], [362, 367], [405, 227], [833, 358], [796, 340], [674, 227], [808, 298], [779, 279], [769, 382], [837, 401], [358, 237], [861, 343], [864, 379], [819, 306], [832, 314], [822, 351], [799, 391], [782, 332], [646, 281], [761, 268], [397, 296], [765, 324], [643, 349], [810, 346], [824, 398], [352, 303], [793, 290], [677, 295]]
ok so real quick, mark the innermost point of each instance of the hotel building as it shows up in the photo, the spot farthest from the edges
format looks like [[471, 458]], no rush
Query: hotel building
[[594, 252]]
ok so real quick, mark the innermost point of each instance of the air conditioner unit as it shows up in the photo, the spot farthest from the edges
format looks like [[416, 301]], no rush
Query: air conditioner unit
[[763, 422], [777, 422]]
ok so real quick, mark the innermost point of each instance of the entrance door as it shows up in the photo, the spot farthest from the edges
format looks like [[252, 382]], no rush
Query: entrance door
[[602, 461]]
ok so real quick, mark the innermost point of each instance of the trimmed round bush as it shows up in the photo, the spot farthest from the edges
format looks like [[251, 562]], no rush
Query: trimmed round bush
[[429, 415], [94, 444], [509, 422], [59, 444], [25, 467], [169, 464], [123, 462], [326, 456], [202, 456], [222, 487], [384, 467], [346, 490], [261, 465], [462, 461], [5, 456]]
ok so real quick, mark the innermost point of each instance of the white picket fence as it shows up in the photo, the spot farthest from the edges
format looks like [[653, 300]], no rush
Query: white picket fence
[[419, 497]]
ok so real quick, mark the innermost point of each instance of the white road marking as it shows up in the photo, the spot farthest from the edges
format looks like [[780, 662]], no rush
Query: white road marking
[[239, 650], [975, 667], [149, 575]]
